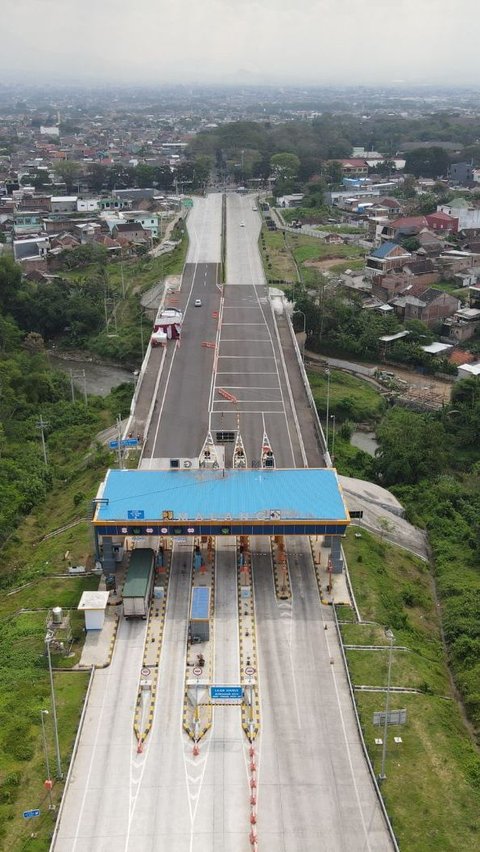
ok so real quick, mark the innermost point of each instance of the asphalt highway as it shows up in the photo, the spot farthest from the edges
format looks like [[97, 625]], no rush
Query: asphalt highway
[[314, 792]]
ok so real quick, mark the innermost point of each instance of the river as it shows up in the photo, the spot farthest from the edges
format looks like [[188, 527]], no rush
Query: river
[[365, 441], [99, 378]]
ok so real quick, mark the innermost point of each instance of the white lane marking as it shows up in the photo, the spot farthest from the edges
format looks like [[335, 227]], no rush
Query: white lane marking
[[90, 767], [244, 357], [344, 730]]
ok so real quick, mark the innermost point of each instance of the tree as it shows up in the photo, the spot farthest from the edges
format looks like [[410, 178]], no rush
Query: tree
[[432, 162], [412, 447], [285, 165], [96, 176], [334, 173], [144, 175], [69, 171]]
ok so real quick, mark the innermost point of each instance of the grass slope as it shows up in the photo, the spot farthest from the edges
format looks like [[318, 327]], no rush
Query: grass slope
[[432, 789]]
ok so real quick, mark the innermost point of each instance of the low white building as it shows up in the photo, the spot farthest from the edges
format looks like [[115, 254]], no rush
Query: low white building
[[467, 371], [94, 604], [87, 205]]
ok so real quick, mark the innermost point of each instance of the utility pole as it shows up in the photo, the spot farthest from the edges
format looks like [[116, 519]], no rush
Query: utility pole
[[327, 373], [123, 279], [48, 639], [80, 375], [42, 425], [48, 781], [119, 443]]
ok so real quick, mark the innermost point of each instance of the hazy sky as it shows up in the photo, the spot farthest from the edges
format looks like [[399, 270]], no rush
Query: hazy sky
[[302, 41]]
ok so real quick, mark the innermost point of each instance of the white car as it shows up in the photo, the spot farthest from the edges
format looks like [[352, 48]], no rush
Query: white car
[[198, 303], [254, 209], [242, 224]]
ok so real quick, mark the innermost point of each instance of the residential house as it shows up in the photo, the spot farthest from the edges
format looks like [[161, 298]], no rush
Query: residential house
[[385, 258], [88, 205], [353, 167], [386, 207], [467, 371], [430, 245], [34, 247], [432, 306], [461, 209], [461, 174], [148, 221], [334, 239], [462, 325], [294, 200], [468, 277], [63, 203], [406, 226], [442, 223], [27, 222], [131, 232], [114, 203]]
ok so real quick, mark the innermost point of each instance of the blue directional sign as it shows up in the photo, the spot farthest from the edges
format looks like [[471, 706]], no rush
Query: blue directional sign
[[126, 442], [135, 514], [30, 814], [226, 693]]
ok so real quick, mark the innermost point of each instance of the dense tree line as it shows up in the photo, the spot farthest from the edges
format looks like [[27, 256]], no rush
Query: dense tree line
[[29, 388]]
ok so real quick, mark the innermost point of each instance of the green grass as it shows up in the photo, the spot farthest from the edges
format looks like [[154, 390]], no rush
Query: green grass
[[432, 789], [282, 254], [350, 398], [276, 256], [22, 779], [315, 249]]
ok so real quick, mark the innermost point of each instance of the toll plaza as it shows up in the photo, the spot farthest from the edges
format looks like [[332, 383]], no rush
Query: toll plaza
[[221, 502]]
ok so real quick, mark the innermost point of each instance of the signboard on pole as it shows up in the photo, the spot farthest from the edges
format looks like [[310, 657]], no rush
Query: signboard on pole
[[226, 694], [30, 814], [126, 442]]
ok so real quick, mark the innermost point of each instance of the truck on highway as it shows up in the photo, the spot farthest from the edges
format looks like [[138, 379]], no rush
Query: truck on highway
[[137, 590]]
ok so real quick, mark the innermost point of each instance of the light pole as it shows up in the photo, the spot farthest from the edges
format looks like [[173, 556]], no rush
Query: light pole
[[296, 311], [390, 636], [327, 373], [48, 785], [48, 639], [332, 417]]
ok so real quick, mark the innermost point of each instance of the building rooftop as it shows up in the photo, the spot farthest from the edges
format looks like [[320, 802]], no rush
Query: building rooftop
[[385, 249], [195, 495]]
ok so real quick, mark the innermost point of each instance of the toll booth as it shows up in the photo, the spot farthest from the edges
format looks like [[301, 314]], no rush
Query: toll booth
[[200, 614]]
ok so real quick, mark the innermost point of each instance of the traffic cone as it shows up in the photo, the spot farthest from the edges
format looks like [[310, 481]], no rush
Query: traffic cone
[[253, 767], [140, 747], [196, 750], [251, 751], [253, 819], [252, 837], [253, 800], [253, 783]]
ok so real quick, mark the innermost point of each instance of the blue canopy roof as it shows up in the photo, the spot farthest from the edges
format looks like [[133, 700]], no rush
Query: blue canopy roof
[[311, 494]]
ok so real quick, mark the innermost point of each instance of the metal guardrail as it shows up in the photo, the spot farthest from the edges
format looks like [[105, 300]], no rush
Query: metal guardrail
[[308, 390], [362, 739], [72, 758]]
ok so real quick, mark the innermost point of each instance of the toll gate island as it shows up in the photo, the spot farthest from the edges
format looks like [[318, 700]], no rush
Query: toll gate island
[[221, 502]]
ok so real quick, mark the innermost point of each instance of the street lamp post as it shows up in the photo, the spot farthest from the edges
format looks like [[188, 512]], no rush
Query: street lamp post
[[296, 311], [48, 639], [390, 636], [327, 373], [48, 785], [332, 417]]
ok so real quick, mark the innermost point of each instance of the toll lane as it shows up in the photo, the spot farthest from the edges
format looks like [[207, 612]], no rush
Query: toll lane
[[315, 792]]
